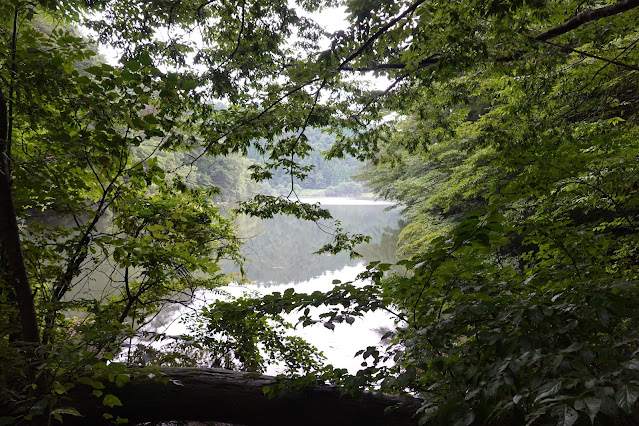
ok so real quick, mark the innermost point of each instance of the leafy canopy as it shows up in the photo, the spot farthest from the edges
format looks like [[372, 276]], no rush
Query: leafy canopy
[[508, 131]]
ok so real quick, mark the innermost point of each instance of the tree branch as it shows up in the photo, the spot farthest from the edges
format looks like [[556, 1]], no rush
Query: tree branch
[[431, 60], [590, 55], [588, 16], [379, 33], [569, 25]]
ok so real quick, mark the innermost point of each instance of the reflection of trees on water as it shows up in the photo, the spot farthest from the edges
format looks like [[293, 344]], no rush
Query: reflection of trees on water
[[281, 249], [384, 249]]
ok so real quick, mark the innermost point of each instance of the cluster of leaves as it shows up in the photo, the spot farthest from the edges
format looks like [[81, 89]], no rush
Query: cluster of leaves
[[516, 162], [519, 176], [106, 235], [512, 147], [250, 341], [109, 230]]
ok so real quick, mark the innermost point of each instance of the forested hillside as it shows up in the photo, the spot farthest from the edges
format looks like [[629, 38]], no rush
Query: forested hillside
[[231, 173], [508, 132], [332, 175]]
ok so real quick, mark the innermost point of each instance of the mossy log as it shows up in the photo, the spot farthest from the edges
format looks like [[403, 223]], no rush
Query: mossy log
[[211, 394]]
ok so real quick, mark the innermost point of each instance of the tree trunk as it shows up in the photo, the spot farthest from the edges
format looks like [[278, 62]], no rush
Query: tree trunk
[[10, 237], [235, 397]]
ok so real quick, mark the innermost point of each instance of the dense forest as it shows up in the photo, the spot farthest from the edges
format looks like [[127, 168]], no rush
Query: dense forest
[[230, 174], [331, 175], [505, 129]]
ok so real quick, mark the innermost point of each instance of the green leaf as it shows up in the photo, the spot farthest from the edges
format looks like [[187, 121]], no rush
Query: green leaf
[[549, 389], [566, 415], [95, 70], [189, 84], [111, 400], [632, 364], [594, 405], [132, 65], [145, 59], [572, 348], [90, 382], [122, 379], [625, 397], [67, 410], [151, 119]]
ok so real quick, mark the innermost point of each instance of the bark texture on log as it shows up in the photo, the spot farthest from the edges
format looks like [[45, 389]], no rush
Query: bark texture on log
[[229, 396]]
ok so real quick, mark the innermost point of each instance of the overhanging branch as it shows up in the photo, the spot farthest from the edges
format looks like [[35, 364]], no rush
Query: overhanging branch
[[379, 33], [590, 55], [431, 60], [588, 16], [569, 25]]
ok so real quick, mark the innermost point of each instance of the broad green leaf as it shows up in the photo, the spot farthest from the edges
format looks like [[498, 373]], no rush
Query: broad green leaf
[[132, 65], [549, 389], [122, 379], [90, 382], [189, 84], [66, 410], [626, 397], [572, 348], [145, 59], [566, 415], [111, 400], [633, 364], [594, 405]]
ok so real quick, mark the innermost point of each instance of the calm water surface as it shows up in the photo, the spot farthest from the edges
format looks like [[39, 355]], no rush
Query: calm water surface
[[281, 256]]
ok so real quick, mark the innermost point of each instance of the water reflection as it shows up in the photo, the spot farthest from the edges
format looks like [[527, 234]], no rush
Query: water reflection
[[281, 250], [281, 253]]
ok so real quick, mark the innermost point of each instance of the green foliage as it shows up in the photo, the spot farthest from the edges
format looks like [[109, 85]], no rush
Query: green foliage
[[513, 151], [250, 341], [344, 189], [517, 173], [325, 173], [89, 208], [229, 175], [108, 163]]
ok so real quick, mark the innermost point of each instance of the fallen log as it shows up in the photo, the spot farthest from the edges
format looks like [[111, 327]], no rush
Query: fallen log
[[211, 394]]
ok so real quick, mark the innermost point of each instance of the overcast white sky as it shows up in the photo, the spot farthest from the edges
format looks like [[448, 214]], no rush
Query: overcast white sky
[[332, 20]]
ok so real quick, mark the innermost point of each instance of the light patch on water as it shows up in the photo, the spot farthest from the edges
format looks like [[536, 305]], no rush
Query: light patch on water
[[338, 346]]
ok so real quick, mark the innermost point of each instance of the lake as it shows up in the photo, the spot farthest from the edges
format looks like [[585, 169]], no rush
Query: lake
[[281, 256]]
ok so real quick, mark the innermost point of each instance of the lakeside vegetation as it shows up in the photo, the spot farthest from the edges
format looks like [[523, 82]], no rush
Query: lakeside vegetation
[[507, 133], [231, 174]]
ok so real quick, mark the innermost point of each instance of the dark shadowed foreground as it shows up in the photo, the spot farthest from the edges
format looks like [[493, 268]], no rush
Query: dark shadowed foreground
[[229, 396]]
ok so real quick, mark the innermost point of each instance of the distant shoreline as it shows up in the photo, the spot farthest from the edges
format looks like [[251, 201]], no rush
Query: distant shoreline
[[346, 201]]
